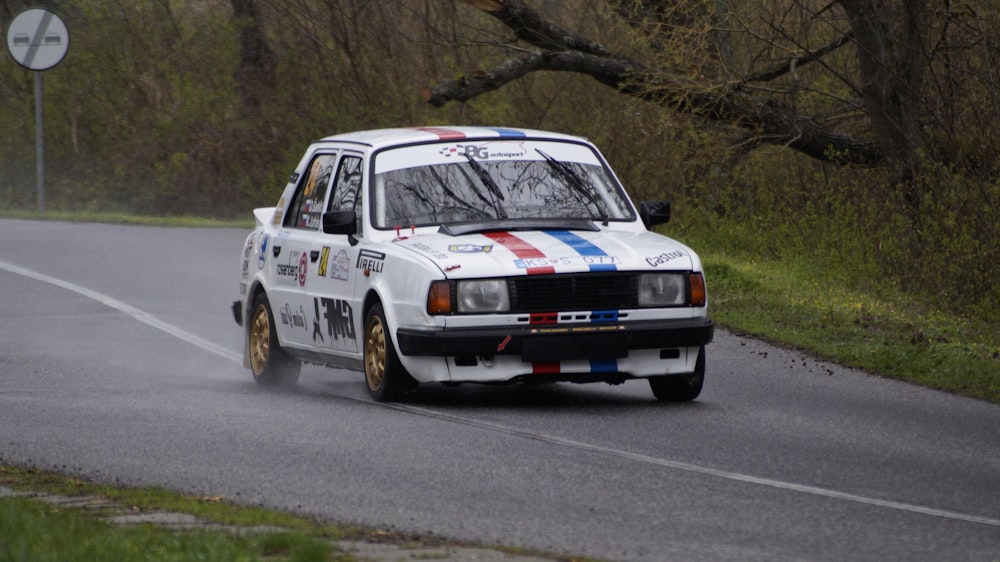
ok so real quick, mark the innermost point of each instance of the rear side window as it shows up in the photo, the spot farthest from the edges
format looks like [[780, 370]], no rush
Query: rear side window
[[306, 210]]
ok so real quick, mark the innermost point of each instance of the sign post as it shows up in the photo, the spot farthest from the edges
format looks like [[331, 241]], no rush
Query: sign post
[[38, 40]]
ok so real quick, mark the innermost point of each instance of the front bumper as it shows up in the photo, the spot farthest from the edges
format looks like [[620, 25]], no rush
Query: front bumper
[[554, 342]]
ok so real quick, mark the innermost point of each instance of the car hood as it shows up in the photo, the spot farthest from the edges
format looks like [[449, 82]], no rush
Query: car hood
[[551, 251]]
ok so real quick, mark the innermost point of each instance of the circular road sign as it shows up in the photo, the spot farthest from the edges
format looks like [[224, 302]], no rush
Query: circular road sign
[[37, 39]]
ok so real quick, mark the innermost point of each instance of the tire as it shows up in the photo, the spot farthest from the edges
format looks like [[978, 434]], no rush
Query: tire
[[680, 388], [270, 365], [386, 378]]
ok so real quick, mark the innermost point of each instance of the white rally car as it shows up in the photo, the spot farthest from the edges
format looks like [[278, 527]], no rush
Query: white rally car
[[469, 254]]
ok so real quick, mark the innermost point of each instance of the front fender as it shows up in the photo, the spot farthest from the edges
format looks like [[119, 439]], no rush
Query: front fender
[[402, 290]]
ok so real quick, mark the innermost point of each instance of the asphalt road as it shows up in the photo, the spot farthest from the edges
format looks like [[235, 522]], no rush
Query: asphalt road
[[119, 361]]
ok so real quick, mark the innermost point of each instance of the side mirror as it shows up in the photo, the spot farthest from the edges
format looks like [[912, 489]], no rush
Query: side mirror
[[340, 222], [653, 213]]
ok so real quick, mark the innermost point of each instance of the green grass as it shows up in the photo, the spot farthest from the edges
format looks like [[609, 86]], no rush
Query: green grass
[[210, 508], [878, 329], [31, 530], [38, 532]]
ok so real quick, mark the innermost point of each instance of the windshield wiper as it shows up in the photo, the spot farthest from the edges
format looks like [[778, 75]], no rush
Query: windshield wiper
[[576, 182], [491, 185]]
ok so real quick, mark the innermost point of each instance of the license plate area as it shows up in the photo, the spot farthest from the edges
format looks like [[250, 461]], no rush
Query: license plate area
[[563, 347]]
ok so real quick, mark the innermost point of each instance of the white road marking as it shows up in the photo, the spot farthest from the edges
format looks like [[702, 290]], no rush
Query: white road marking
[[135, 313], [687, 467], [206, 345]]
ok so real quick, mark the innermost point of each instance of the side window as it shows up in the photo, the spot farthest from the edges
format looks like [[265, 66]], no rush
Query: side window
[[306, 209], [347, 187]]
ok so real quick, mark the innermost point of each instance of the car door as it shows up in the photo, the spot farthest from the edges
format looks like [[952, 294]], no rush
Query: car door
[[292, 259], [335, 307]]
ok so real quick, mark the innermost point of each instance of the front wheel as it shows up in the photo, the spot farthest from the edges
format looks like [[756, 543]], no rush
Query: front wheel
[[680, 388], [269, 363], [387, 379]]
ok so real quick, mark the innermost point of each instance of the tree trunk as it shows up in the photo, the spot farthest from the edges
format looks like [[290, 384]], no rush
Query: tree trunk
[[255, 79], [892, 62]]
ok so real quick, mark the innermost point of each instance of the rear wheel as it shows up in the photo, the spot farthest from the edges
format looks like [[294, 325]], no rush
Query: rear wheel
[[387, 379], [680, 388], [269, 363]]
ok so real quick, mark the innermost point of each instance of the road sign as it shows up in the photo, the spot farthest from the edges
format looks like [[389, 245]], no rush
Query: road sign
[[37, 39]]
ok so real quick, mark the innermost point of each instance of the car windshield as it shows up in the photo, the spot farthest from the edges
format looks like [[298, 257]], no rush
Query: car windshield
[[509, 181]]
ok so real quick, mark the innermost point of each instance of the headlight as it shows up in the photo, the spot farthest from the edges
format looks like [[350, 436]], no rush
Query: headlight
[[662, 289], [487, 295]]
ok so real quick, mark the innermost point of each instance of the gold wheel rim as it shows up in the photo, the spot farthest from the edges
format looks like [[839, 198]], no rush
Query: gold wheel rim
[[375, 354], [260, 339]]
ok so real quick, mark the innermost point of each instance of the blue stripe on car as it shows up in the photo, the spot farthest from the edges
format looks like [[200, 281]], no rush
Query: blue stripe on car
[[508, 133], [584, 248], [604, 366], [598, 316]]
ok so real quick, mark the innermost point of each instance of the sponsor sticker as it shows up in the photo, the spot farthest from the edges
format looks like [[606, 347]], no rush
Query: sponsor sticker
[[589, 261], [485, 151], [338, 317], [341, 266], [665, 257], [264, 240], [293, 318], [247, 252], [303, 270], [369, 260], [428, 251], [470, 248], [292, 271], [324, 257]]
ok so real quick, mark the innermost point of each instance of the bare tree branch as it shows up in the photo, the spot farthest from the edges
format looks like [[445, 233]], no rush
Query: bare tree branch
[[530, 26], [562, 51], [801, 60]]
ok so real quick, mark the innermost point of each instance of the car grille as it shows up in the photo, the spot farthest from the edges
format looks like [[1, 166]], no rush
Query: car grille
[[590, 291]]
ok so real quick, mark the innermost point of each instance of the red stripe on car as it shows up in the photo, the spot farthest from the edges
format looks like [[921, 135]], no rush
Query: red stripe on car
[[521, 249], [544, 318], [545, 368], [443, 134]]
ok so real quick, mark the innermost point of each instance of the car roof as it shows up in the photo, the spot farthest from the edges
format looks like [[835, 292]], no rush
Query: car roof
[[382, 138]]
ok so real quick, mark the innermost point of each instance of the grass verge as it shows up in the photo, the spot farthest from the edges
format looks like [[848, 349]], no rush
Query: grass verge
[[795, 303], [41, 532], [37, 531], [81, 525]]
